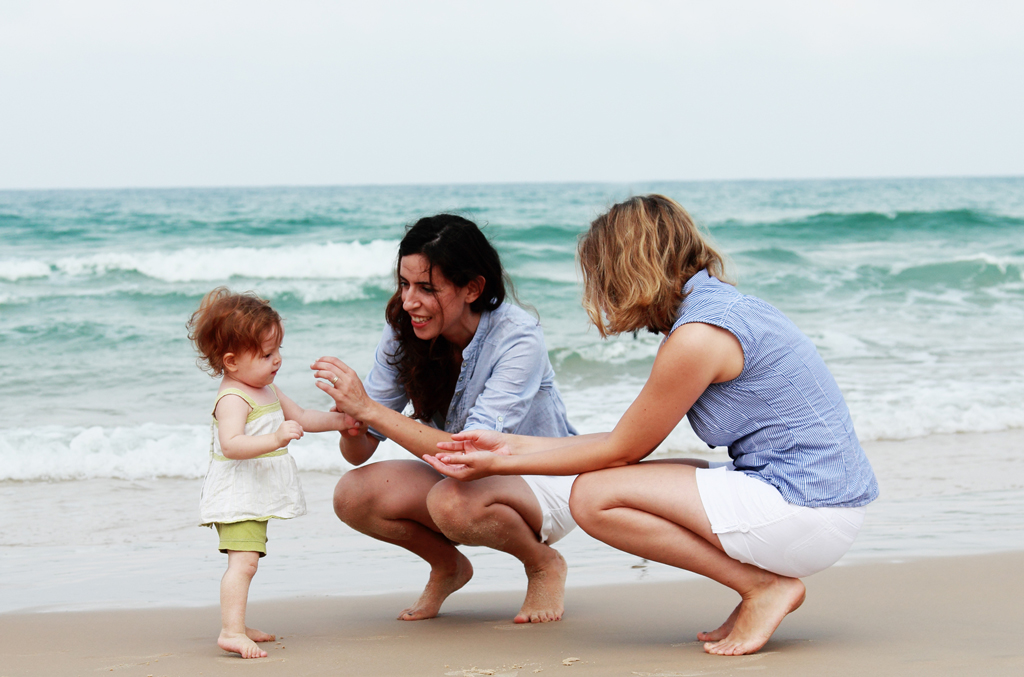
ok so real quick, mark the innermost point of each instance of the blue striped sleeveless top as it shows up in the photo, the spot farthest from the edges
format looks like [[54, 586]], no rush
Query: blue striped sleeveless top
[[783, 418]]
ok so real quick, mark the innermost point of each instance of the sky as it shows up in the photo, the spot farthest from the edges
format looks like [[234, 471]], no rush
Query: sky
[[105, 93]]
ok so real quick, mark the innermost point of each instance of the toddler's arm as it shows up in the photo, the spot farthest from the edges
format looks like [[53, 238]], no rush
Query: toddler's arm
[[314, 420], [231, 413]]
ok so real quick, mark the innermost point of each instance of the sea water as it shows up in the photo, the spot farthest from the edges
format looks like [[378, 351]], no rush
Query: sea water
[[912, 291]]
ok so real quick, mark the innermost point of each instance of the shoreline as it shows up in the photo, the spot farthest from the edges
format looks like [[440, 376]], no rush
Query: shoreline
[[927, 616], [89, 545]]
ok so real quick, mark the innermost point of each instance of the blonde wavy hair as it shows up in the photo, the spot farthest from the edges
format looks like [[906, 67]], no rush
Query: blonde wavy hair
[[636, 258]]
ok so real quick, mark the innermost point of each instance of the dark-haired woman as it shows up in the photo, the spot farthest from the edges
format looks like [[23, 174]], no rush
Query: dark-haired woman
[[793, 499], [466, 360]]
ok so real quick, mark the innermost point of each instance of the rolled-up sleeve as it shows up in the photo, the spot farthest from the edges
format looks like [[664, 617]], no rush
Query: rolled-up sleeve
[[513, 383], [381, 384]]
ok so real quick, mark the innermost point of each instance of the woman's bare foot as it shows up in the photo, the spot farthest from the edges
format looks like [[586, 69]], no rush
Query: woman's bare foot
[[439, 586], [723, 630], [258, 635], [545, 592], [758, 615], [240, 644]]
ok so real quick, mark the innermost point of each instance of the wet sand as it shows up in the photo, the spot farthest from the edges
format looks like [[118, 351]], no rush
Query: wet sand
[[937, 616]]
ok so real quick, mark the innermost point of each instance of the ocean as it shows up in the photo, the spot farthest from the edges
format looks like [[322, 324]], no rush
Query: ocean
[[911, 289]]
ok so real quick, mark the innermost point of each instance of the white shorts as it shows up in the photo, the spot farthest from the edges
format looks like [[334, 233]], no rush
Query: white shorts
[[756, 525], [552, 493]]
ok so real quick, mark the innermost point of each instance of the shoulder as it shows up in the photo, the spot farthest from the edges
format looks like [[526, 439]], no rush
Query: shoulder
[[511, 313], [707, 299], [509, 321], [512, 337]]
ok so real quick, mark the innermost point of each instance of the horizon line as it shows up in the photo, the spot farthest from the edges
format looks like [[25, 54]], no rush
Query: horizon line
[[427, 184]]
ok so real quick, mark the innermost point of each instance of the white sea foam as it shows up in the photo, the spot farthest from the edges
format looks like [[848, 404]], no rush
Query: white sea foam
[[14, 270], [327, 260], [142, 452]]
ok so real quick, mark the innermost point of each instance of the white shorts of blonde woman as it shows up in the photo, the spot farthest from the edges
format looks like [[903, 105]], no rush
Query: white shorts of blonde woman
[[756, 526]]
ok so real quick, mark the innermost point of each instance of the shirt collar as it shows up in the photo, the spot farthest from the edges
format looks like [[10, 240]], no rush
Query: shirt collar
[[699, 278]]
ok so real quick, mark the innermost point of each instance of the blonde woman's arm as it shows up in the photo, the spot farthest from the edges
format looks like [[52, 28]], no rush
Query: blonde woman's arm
[[694, 356]]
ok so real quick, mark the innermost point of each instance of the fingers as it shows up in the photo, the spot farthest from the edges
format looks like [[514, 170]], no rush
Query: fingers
[[327, 375], [452, 446], [455, 471], [290, 430], [327, 363], [332, 365]]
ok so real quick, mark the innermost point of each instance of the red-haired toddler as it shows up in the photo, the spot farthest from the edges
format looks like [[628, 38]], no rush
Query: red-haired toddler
[[252, 477]]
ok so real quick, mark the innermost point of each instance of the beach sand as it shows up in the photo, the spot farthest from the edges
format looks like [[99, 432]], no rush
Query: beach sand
[[936, 616]]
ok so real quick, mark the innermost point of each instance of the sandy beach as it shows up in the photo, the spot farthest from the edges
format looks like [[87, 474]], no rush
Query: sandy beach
[[940, 616], [913, 597]]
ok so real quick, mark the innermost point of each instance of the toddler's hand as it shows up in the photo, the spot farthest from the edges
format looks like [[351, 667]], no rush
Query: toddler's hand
[[352, 427], [289, 430]]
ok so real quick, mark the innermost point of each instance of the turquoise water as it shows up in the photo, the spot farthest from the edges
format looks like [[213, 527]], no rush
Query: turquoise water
[[911, 289]]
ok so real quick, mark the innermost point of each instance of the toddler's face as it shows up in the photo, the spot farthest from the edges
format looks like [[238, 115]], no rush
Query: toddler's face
[[257, 370]]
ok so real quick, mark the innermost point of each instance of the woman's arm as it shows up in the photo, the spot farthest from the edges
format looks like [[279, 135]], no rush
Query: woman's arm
[[693, 357], [231, 413], [350, 397], [357, 445]]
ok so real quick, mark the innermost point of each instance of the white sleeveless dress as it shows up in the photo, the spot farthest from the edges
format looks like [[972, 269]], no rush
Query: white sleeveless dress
[[258, 488]]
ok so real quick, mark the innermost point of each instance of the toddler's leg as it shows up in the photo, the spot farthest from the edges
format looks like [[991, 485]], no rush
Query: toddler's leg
[[234, 592]]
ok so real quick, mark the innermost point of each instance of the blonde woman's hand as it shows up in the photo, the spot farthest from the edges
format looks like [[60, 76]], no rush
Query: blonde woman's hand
[[463, 466], [469, 441]]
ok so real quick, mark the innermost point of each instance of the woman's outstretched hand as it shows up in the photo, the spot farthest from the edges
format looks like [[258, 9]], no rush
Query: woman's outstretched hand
[[342, 383], [470, 455], [477, 440], [463, 466]]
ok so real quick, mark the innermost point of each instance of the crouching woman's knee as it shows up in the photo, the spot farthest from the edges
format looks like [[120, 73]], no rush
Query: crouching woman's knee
[[587, 499], [452, 507], [353, 496]]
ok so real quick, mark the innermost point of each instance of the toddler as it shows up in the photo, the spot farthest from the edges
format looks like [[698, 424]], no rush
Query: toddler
[[252, 477]]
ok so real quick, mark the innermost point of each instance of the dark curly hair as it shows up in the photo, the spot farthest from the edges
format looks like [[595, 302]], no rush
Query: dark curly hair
[[456, 248]]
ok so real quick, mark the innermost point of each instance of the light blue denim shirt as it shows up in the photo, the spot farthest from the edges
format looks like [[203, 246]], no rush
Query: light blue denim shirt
[[506, 383]]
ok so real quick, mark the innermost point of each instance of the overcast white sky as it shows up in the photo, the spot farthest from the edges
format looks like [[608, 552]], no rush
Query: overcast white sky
[[213, 93]]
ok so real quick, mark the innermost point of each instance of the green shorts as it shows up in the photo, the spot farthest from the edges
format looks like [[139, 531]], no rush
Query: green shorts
[[248, 536]]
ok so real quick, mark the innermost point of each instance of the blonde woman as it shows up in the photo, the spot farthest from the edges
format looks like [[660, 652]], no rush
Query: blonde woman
[[792, 499]]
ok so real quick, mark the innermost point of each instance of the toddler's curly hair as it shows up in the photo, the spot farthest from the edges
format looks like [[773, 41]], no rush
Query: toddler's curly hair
[[231, 323]]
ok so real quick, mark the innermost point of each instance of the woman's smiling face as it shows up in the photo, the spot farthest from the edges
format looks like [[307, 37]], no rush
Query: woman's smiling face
[[435, 305]]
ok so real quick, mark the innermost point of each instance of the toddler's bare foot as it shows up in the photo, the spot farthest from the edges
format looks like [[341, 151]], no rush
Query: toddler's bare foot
[[758, 616], [439, 586], [545, 592], [258, 635], [723, 630], [240, 644]]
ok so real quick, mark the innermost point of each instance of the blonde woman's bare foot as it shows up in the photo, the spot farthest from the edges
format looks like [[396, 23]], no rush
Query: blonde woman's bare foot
[[258, 635], [545, 592], [439, 586], [723, 630], [758, 616], [240, 644]]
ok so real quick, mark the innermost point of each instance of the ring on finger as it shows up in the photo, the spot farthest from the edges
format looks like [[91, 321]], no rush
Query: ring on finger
[[334, 381]]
